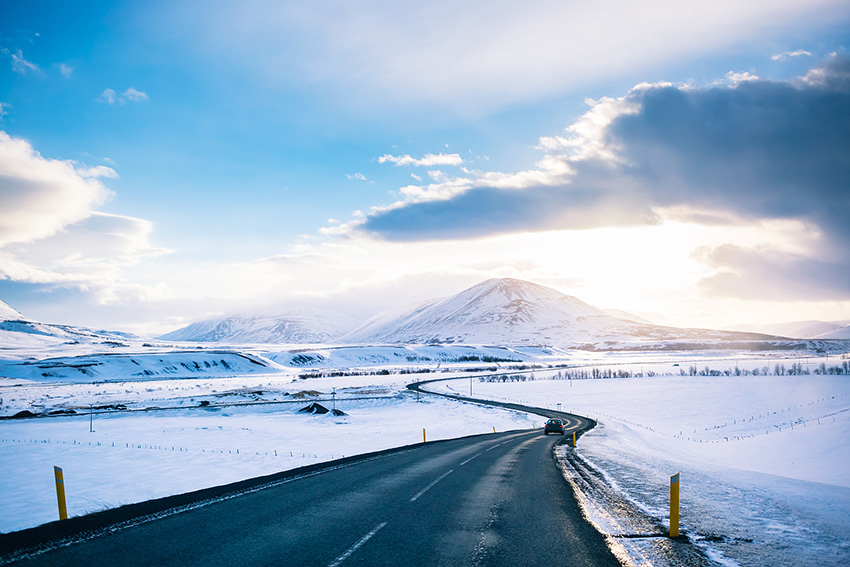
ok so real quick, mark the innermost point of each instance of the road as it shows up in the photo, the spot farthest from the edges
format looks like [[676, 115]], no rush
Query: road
[[488, 500]]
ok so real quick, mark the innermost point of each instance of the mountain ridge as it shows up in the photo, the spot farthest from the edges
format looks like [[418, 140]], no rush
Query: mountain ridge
[[301, 326]]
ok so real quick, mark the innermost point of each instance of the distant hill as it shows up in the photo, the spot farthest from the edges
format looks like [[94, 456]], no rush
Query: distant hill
[[839, 333], [800, 329], [17, 329], [301, 326]]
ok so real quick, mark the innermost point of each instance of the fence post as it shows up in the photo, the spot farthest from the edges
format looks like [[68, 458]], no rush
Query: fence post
[[60, 493], [674, 505]]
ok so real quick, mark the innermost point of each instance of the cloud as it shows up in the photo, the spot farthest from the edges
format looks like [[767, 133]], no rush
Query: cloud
[[109, 96], [745, 151], [428, 160], [21, 65], [791, 54], [132, 95], [66, 70], [356, 176], [474, 56], [40, 196], [51, 234], [3, 111], [98, 171], [766, 273]]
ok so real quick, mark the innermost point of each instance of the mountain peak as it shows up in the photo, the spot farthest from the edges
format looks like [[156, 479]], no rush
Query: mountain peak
[[9, 313], [498, 310]]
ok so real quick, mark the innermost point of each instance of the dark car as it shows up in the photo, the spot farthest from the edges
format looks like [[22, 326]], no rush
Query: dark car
[[553, 426]]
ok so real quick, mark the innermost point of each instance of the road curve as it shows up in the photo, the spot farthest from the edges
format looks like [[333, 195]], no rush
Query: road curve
[[487, 500]]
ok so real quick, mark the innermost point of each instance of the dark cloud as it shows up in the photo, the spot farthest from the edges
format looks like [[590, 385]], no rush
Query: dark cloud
[[488, 210], [761, 150], [768, 274]]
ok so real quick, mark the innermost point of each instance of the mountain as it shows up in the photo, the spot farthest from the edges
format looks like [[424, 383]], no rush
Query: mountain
[[8, 313], [295, 326], [17, 329], [620, 314], [515, 312], [497, 311], [799, 329], [839, 333]]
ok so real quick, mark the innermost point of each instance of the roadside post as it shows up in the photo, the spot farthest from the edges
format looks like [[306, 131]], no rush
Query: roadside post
[[574, 439], [60, 493], [674, 505], [424, 440]]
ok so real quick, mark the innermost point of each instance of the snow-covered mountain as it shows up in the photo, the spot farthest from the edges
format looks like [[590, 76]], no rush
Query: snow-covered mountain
[[9, 313], [515, 312], [295, 326], [839, 333], [17, 329], [802, 329], [497, 311]]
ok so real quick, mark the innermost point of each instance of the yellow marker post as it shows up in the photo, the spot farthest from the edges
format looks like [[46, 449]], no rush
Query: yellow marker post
[[60, 493], [424, 440], [574, 438], [674, 505], [494, 429]]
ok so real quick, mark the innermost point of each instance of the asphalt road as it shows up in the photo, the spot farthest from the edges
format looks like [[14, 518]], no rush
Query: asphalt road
[[488, 500]]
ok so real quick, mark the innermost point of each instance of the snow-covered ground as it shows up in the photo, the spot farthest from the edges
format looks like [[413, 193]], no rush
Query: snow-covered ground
[[765, 460]]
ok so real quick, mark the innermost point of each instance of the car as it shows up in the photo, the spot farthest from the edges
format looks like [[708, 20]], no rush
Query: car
[[554, 426]]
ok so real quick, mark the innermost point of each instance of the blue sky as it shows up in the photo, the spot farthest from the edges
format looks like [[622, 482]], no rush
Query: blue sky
[[162, 162]]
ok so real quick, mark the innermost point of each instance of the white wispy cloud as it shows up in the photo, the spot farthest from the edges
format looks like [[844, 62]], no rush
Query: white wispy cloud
[[66, 70], [109, 96], [21, 65], [3, 111], [98, 171], [133, 95], [791, 54], [428, 160], [356, 176]]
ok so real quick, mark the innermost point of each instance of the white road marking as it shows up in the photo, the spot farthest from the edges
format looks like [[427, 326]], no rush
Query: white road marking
[[430, 486], [356, 546], [472, 457]]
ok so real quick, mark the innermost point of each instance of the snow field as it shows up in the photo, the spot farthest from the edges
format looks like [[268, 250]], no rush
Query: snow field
[[794, 426]]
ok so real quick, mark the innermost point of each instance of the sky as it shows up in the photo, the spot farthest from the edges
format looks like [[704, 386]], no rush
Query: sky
[[166, 162]]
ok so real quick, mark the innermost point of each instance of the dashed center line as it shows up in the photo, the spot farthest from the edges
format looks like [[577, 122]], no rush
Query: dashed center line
[[472, 457], [356, 546], [430, 486]]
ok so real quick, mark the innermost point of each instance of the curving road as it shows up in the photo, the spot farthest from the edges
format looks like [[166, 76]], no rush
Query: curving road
[[488, 500]]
